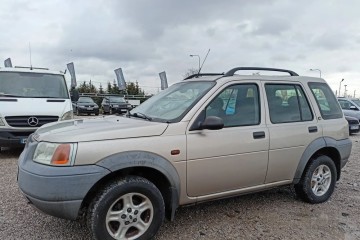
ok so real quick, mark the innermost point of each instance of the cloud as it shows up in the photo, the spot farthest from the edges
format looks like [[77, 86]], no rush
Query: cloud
[[147, 37]]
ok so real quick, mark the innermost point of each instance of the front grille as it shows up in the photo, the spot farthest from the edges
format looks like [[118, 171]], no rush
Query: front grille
[[30, 121], [21, 134], [353, 121]]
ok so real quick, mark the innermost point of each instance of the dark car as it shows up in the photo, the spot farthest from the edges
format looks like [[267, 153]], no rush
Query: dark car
[[353, 124], [114, 104], [85, 105]]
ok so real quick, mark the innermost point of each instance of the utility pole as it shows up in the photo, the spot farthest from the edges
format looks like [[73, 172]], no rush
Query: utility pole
[[345, 90], [354, 92]]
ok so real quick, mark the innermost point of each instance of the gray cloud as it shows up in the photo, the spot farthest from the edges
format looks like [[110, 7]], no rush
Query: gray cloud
[[146, 37]]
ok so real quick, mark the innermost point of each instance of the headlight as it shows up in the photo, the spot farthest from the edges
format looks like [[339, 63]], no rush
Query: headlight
[[67, 116], [129, 105], [58, 154], [2, 122]]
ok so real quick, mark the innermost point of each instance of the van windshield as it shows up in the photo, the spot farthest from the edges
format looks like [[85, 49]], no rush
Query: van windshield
[[32, 85]]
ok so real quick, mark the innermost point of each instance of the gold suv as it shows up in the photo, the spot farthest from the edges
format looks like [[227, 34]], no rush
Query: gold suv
[[209, 136]]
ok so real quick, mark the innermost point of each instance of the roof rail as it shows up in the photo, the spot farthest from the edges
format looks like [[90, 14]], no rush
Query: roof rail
[[31, 68], [232, 71], [202, 74]]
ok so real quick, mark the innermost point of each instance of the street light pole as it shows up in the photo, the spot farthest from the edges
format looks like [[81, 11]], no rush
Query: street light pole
[[192, 55], [315, 69], [340, 87]]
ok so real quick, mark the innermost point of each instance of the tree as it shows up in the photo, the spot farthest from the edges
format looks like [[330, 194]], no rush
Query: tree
[[109, 88], [84, 88], [101, 90], [190, 72]]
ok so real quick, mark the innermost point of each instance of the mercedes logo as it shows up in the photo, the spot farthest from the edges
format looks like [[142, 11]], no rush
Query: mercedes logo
[[33, 121]]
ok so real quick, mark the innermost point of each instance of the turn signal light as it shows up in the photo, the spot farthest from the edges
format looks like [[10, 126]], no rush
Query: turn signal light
[[61, 155]]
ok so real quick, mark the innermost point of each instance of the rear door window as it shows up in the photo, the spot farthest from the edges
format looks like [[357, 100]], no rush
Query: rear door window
[[287, 103], [328, 105]]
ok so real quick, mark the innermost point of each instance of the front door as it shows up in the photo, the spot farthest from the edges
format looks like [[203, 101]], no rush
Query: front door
[[235, 156]]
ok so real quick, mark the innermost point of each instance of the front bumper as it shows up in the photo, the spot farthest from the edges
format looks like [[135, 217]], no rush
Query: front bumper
[[57, 191], [12, 137], [120, 110], [85, 110]]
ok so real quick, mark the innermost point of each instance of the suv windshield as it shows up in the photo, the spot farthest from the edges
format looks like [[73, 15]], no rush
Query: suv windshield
[[173, 103], [28, 85], [356, 101]]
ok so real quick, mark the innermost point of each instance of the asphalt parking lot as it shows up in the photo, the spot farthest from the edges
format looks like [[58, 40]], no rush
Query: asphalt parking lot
[[274, 214]]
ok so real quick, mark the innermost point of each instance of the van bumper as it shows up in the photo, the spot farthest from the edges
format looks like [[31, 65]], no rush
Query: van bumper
[[11, 137]]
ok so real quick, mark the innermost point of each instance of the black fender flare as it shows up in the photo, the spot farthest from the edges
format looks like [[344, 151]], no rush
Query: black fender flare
[[130, 159], [343, 147]]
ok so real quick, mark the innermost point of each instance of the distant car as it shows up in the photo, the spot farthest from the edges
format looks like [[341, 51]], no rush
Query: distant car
[[353, 124], [114, 104], [350, 107], [85, 105]]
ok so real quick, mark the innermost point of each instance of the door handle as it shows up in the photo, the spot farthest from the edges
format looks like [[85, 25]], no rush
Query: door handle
[[313, 129], [258, 135]]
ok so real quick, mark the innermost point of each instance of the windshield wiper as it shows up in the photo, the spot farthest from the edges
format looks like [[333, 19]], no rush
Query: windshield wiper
[[140, 115], [9, 95]]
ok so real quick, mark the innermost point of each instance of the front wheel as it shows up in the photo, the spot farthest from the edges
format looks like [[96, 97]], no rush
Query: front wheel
[[129, 208], [318, 181]]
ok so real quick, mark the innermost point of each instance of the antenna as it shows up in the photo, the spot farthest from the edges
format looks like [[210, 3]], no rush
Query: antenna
[[203, 61], [31, 68]]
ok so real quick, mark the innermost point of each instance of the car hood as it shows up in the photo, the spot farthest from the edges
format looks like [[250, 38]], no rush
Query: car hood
[[95, 129]]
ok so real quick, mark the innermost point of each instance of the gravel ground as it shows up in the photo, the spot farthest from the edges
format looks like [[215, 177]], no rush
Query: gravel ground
[[274, 214]]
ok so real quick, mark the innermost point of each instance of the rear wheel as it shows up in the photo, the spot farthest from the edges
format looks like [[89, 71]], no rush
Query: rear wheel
[[129, 208], [318, 181]]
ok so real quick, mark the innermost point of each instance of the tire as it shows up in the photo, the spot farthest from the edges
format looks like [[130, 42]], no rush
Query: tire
[[97, 114], [132, 191], [318, 180]]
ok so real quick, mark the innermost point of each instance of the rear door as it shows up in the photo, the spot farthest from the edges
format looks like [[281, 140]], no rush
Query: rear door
[[292, 126]]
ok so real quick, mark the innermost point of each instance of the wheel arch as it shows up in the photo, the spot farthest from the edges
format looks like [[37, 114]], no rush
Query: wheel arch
[[321, 146], [151, 166]]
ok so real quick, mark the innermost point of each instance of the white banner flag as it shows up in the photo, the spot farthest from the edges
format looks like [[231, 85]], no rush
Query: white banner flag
[[71, 69], [120, 79], [163, 79]]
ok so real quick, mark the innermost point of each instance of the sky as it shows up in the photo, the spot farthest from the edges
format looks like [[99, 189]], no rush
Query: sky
[[146, 37]]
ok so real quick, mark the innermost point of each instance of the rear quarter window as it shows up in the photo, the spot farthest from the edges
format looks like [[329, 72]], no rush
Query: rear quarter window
[[326, 101]]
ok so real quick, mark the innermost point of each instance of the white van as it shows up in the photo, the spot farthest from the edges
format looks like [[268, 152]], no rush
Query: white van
[[30, 98]]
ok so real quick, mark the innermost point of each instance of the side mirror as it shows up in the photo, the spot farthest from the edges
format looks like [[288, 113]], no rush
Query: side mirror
[[212, 123], [353, 108]]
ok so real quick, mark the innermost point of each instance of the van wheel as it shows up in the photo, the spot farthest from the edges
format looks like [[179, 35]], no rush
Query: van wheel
[[128, 208], [318, 180]]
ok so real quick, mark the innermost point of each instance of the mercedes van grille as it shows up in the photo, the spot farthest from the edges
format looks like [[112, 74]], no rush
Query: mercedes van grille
[[30, 121]]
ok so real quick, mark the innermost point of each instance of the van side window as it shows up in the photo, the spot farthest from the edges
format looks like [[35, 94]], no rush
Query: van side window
[[287, 103], [328, 105], [237, 105]]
